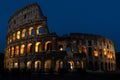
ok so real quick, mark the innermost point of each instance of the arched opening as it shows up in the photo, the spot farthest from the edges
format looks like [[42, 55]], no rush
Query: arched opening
[[68, 49], [96, 53], [70, 65], [96, 65], [14, 37], [59, 65], [16, 65], [84, 50], [29, 48], [22, 49], [38, 47], [22, 65], [31, 31], [18, 35], [23, 33], [12, 52], [39, 30], [29, 65], [37, 65], [48, 46], [17, 50], [47, 65]]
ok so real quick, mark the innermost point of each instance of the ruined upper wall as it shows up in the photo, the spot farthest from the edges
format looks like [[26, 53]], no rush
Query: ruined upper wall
[[26, 15]]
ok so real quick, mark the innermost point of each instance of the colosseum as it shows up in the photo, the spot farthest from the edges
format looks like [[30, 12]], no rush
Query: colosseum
[[31, 46]]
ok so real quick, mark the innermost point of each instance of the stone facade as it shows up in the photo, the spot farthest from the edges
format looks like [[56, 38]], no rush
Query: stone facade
[[30, 45]]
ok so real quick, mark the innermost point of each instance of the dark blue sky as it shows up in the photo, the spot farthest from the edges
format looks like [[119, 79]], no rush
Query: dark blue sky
[[100, 17]]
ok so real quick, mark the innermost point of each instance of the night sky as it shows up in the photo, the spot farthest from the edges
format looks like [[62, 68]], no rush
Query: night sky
[[101, 17]]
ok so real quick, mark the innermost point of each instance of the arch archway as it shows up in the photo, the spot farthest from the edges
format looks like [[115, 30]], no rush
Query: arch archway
[[48, 46], [47, 65], [37, 65], [29, 64], [22, 65], [59, 65], [70, 65]]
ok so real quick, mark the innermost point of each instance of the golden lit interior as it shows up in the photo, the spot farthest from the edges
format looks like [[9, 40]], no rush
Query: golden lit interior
[[84, 50], [105, 52], [23, 33], [10, 39], [15, 65], [95, 53], [29, 65], [37, 30], [71, 64], [29, 48], [38, 47], [37, 65], [12, 51], [18, 35], [17, 50], [13, 36], [22, 49], [47, 65], [109, 56], [59, 65], [47, 45], [30, 30]]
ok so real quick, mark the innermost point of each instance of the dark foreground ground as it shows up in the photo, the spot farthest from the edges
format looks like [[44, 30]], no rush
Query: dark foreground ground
[[60, 76]]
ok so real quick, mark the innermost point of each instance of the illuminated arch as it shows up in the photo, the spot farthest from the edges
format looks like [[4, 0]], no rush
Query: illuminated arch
[[22, 49], [14, 37], [12, 51], [29, 48], [71, 65], [38, 47], [48, 46], [37, 65], [31, 31], [15, 64], [59, 65], [29, 64], [39, 30], [47, 65], [18, 35], [17, 50], [23, 33], [84, 50]]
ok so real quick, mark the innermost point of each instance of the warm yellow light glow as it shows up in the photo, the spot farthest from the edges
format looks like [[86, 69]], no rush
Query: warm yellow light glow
[[84, 50], [95, 53], [105, 52], [71, 64], [37, 30], [109, 56], [17, 50], [46, 45], [47, 65], [29, 48], [38, 47], [22, 49], [37, 65], [16, 65], [23, 33], [12, 51], [13, 36], [18, 35], [30, 30], [61, 49], [29, 64]]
